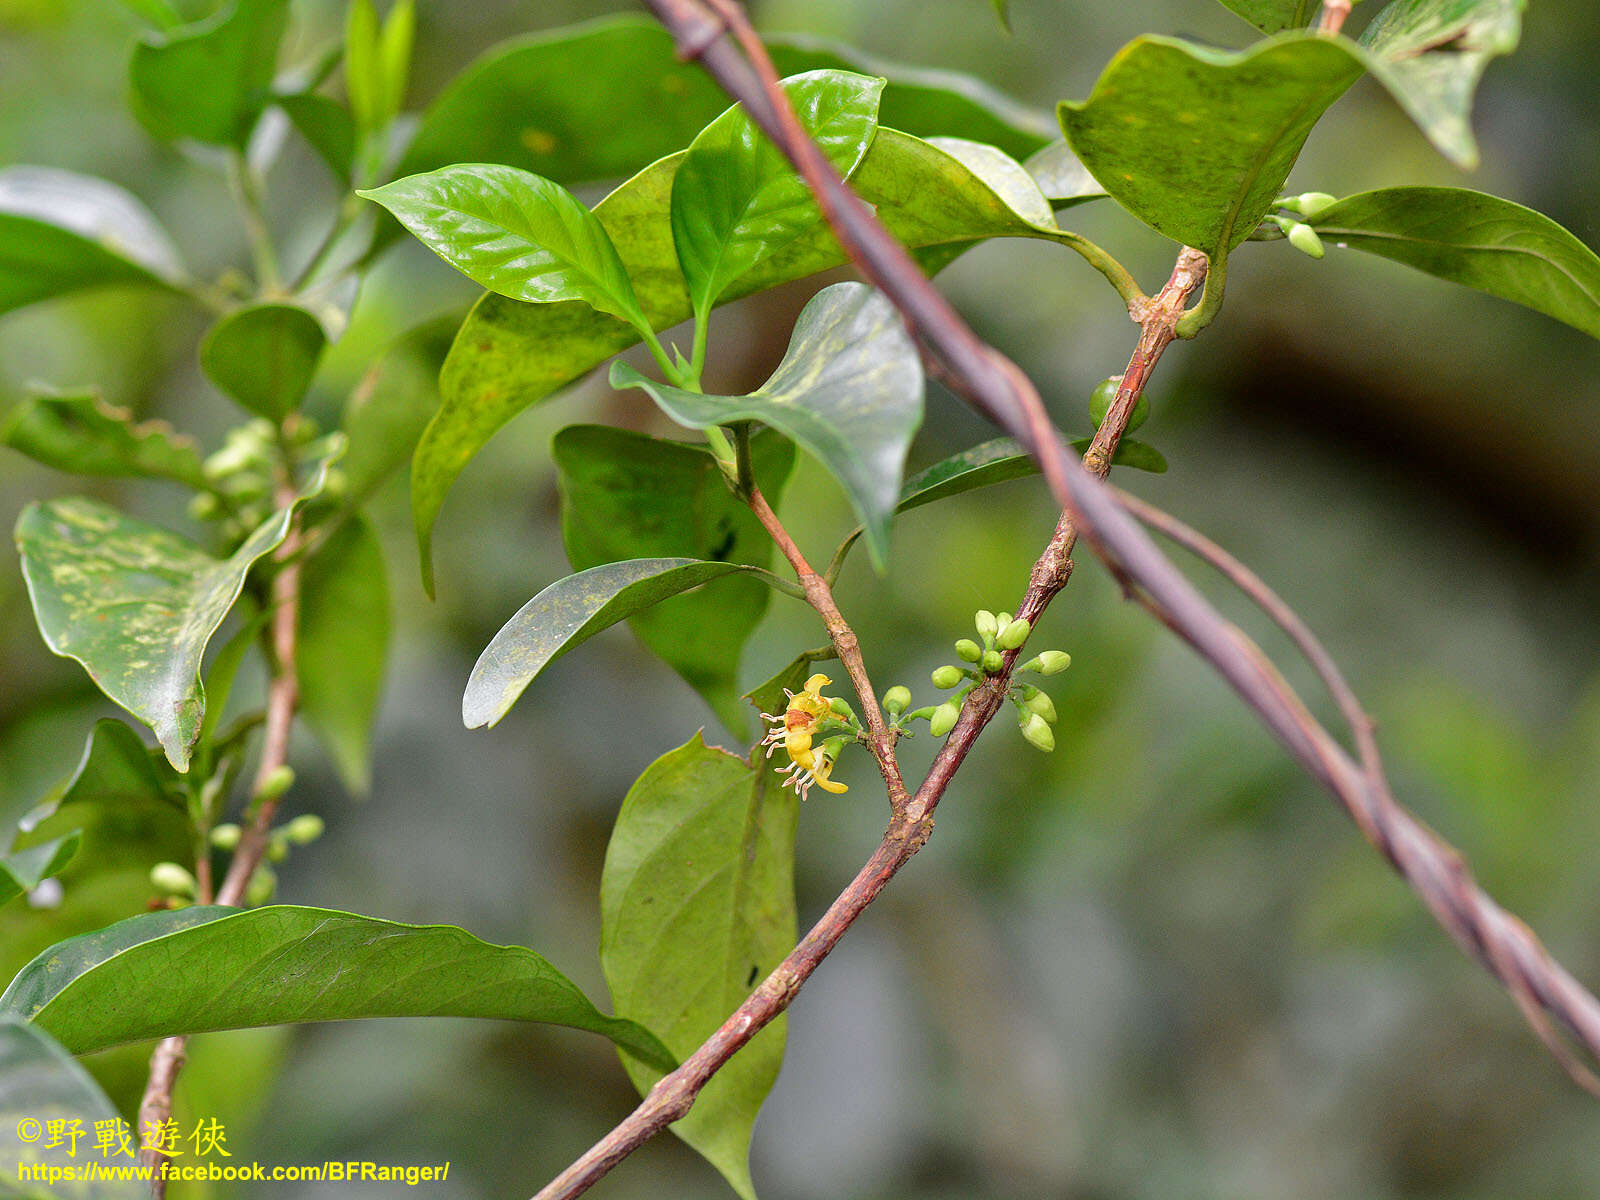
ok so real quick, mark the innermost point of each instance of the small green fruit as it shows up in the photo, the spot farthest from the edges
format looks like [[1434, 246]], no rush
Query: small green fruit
[[1100, 399], [1014, 635], [969, 650], [278, 781], [1038, 733], [172, 880], [262, 886], [944, 718], [896, 699], [225, 837], [948, 676], [993, 660], [1304, 239], [277, 849]]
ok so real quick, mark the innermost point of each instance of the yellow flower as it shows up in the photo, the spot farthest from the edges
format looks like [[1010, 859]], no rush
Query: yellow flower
[[793, 729]]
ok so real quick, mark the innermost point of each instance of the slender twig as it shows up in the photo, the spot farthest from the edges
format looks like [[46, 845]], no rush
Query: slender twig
[[998, 389], [252, 210], [1333, 15]]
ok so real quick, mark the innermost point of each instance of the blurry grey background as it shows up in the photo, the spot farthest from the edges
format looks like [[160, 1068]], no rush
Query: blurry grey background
[[1157, 963]]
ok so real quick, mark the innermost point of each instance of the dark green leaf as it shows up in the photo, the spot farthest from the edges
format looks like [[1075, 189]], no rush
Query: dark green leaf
[[326, 126], [1430, 54], [61, 232], [736, 200], [264, 357], [284, 965], [849, 391], [224, 670], [1477, 240], [1061, 177], [696, 904], [210, 80], [1196, 143], [626, 495], [1130, 453], [567, 613], [1274, 16], [988, 463], [23, 870], [344, 644], [135, 604], [516, 105], [83, 434], [390, 407], [514, 233], [510, 355], [40, 1082]]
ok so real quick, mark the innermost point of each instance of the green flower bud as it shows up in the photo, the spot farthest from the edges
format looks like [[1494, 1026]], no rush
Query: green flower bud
[[172, 880], [278, 781], [1038, 702], [948, 676], [944, 718], [896, 699], [305, 829], [261, 887], [1014, 635], [225, 837], [1001, 620], [993, 660], [1313, 204], [204, 507], [277, 849], [1304, 239], [1053, 662], [986, 623], [969, 650], [1037, 732]]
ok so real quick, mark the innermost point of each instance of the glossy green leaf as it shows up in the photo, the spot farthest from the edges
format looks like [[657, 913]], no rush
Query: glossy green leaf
[[1274, 16], [135, 604], [23, 870], [1476, 240], [514, 233], [849, 391], [264, 356], [285, 965], [515, 104], [510, 355], [1005, 176], [209, 81], [736, 200], [1431, 54], [39, 1083], [1196, 143], [568, 613], [696, 906], [392, 404], [61, 232], [344, 645], [1061, 177], [988, 463], [327, 127], [626, 495], [81, 433]]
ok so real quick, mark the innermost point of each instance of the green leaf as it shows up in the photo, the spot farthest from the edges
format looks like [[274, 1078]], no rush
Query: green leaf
[[514, 233], [392, 404], [1274, 16], [1431, 54], [565, 104], [363, 82], [510, 355], [1005, 176], [1130, 453], [326, 126], [1061, 177], [1196, 143], [210, 80], [285, 965], [81, 433], [62, 232], [1002, 12], [626, 495], [1476, 240], [23, 870], [571, 611], [849, 391], [264, 357], [39, 1083], [344, 644], [135, 605], [736, 200], [117, 768], [988, 463], [696, 906]]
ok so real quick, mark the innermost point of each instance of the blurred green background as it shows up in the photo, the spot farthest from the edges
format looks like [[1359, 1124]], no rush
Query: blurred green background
[[1157, 963]]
